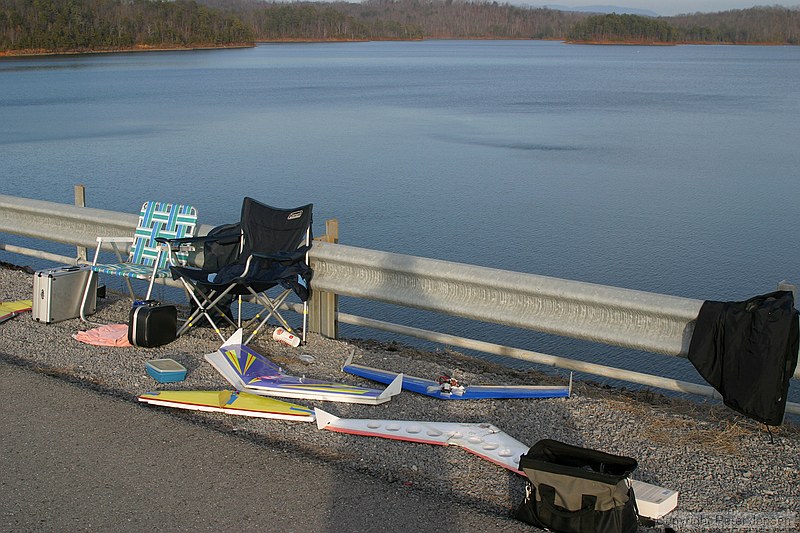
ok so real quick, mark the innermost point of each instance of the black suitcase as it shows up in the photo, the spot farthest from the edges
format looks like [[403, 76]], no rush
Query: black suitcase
[[152, 324]]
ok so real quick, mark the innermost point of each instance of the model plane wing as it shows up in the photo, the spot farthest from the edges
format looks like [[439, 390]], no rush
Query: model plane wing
[[484, 440], [249, 371], [435, 389], [229, 402], [9, 310]]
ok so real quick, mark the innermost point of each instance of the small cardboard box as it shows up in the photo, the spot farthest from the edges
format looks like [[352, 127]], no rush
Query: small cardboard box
[[166, 370]]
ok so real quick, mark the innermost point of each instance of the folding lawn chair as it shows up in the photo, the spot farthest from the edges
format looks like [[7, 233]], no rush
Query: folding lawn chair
[[147, 258], [273, 251]]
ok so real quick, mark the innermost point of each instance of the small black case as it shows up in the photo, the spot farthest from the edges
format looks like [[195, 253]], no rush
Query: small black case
[[152, 324]]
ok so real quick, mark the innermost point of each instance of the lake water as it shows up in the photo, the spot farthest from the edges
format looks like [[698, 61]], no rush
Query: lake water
[[665, 169]]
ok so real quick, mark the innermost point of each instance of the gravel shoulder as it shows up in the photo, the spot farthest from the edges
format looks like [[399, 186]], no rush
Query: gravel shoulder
[[719, 461]]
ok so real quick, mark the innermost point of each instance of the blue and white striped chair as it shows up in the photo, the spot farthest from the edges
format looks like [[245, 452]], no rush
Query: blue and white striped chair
[[148, 259]]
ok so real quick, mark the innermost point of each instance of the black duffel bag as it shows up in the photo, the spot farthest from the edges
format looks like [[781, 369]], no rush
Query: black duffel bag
[[577, 490]]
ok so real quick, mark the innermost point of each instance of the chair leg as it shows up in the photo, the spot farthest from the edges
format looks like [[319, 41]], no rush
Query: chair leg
[[130, 288], [192, 316], [86, 296], [155, 270], [212, 304], [209, 301], [272, 305], [305, 320], [150, 286], [89, 282], [119, 258]]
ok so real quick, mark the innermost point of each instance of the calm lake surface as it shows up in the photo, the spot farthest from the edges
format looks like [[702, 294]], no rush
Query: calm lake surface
[[665, 169]]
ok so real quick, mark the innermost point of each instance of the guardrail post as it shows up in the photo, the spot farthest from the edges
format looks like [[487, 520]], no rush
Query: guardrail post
[[323, 307], [80, 201]]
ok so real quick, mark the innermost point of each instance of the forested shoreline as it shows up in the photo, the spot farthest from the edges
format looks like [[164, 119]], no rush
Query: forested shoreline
[[72, 26], [52, 26]]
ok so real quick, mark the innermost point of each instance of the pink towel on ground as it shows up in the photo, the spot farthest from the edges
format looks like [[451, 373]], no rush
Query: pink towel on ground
[[108, 335]]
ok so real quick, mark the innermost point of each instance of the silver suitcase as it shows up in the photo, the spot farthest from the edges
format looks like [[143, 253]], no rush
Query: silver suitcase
[[57, 293]]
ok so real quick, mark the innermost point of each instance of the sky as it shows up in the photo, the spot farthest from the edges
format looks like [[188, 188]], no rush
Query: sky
[[674, 7]]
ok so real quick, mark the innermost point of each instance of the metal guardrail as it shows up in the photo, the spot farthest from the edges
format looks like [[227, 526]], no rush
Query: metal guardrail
[[64, 223], [609, 315]]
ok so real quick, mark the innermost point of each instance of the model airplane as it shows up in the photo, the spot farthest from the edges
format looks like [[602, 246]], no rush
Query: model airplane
[[9, 310], [229, 402], [251, 372], [448, 388], [484, 440]]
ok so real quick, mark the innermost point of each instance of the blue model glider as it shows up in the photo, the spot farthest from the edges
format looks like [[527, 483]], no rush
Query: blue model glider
[[447, 388]]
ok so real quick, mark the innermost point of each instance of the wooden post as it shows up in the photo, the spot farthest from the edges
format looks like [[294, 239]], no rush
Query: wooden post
[[332, 230], [324, 306], [80, 201]]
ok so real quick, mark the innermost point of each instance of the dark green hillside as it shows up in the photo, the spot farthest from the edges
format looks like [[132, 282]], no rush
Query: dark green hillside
[[397, 19], [479, 19], [83, 25], [758, 25], [767, 25], [47, 26], [623, 29]]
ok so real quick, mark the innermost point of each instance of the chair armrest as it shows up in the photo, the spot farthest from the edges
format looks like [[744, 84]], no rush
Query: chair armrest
[[222, 239], [173, 247], [183, 240], [181, 244], [114, 239]]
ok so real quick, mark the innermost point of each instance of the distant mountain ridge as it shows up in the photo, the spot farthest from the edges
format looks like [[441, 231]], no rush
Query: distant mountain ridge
[[619, 10]]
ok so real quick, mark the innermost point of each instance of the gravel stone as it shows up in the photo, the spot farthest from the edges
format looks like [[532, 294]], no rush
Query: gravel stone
[[720, 461]]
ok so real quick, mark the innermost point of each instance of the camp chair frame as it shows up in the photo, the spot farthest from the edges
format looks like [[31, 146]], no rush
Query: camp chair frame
[[207, 296], [148, 258], [209, 302]]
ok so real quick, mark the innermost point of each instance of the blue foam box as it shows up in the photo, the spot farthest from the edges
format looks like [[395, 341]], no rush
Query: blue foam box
[[166, 370]]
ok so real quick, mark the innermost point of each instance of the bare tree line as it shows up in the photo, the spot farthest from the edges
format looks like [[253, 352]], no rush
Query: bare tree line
[[86, 25], [80, 25]]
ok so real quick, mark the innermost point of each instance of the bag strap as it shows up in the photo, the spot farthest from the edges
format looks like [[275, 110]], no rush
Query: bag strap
[[548, 495], [527, 511], [643, 521]]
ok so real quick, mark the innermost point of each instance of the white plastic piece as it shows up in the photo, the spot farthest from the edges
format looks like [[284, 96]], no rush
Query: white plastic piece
[[482, 439], [654, 501]]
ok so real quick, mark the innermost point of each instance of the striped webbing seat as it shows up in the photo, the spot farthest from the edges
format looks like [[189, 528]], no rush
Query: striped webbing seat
[[156, 219]]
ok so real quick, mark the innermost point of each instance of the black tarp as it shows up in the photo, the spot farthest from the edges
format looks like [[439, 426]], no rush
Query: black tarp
[[748, 352]]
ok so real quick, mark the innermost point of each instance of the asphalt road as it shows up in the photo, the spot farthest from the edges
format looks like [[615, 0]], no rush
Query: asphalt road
[[72, 459]]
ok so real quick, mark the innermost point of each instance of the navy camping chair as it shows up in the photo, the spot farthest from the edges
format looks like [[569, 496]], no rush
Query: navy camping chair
[[273, 247]]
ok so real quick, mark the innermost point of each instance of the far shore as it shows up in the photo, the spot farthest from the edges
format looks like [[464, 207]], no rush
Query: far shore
[[138, 48], [148, 48], [675, 43]]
